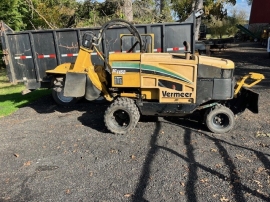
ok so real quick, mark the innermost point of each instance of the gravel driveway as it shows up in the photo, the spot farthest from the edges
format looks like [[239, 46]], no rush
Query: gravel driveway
[[52, 153]]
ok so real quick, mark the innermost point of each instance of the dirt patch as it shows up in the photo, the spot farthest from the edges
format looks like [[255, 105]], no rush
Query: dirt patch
[[52, 153]]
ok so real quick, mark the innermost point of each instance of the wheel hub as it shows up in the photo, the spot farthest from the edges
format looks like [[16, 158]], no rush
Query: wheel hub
[[121, 117], [221, 120]]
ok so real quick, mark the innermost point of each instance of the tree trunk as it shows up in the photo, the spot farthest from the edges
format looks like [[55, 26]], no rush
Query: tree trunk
[[198, 4], [128, 11]]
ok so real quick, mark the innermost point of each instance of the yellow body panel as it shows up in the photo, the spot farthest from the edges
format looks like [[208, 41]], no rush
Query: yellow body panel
[[160, 57], [61, 69], [148, 70], [148, 81], [216, 62], [130, 79], [150, 93], [125, 57], [176, 70], [125, 70]]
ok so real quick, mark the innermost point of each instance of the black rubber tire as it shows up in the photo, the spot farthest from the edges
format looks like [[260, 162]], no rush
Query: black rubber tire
[[58, 94], [220, 119], [121, 116], [60, 99]]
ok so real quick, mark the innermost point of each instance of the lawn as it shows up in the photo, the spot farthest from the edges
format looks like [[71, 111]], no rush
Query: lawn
[[11, 98]]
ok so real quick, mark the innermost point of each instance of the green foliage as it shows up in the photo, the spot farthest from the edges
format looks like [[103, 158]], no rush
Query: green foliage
[[218, 27], [151, 11], [46, 14], [226, 25], [216, 8], [144, 11], [182, 8], [51, 13], [238, 17], [13, 12], [93, 13], [165, 11]]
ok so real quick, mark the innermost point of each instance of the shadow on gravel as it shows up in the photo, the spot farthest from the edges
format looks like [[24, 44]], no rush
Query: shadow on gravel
[[46, 105], [235, 181], [93, 117], [192, 168], [154, 148], [145, 173], [237, 187]]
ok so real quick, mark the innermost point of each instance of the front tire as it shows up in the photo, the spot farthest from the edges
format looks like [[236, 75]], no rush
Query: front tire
[[58, 93], [121, 116], [220, 119], [60, 99]]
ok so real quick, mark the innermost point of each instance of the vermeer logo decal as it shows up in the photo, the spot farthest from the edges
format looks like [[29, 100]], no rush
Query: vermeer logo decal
[[176, 94]]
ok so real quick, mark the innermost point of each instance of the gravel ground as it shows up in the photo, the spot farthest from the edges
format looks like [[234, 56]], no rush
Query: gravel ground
[[52, 153]]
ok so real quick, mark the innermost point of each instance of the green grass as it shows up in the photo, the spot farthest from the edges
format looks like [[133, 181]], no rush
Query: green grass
[[11, 98]]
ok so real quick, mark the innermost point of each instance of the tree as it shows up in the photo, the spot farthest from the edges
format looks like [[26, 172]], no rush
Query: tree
[[128, 12], [227, 25], [13, 13], [237, 17], [214, 9], [51, 13], [144, 11], [217, 8], [165, 10], [183, 8], [197, 5], [88, 13], [91, 12], [218, 27]]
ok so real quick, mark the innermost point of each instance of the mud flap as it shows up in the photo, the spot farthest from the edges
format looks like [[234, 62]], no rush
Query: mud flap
[[75, 84], [252, 100], [245, 99], [91, 91]]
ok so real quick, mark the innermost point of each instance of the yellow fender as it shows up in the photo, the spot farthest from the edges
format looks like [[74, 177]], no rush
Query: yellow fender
[[61, 69]]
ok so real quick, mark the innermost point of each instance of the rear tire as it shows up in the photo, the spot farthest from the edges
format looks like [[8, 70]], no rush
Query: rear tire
[[220, 119], [121, 116], [58, 93]]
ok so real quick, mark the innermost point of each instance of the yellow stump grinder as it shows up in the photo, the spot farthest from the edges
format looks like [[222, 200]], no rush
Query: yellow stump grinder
[[156, 84]]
